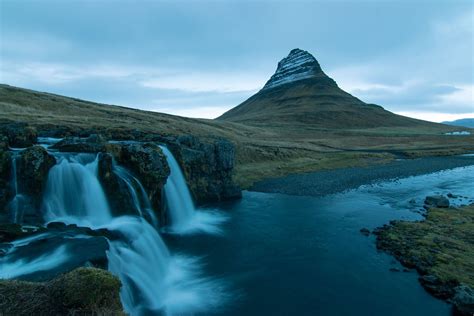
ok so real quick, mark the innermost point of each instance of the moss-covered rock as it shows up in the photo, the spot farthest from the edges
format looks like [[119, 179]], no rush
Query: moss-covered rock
[[440, 248], [92, 144], [19, 134], [88, 291]]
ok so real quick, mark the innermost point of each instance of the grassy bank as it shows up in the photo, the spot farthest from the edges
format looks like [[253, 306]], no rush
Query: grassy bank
[[440, 248]]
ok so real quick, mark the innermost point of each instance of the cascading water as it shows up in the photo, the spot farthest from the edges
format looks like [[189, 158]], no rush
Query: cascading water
[[183, 215], [178, 198], [139, 197], [152, 280], [74, 194]]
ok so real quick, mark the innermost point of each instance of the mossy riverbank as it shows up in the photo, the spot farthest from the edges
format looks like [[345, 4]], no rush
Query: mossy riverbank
[[441, 249]]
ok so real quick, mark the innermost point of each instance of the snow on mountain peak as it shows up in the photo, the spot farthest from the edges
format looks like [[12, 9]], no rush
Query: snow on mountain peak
[[298, 65]]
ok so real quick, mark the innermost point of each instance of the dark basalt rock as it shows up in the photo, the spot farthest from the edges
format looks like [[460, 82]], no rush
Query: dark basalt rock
[[365, 231], [19, 135], [33, 166], [148, 163], [92, 144], [118, 195], [463, 301], [5, 175], [438, 201], [208, 168]]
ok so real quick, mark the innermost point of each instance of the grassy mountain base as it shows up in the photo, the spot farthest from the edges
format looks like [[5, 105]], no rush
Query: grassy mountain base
[[271, 149]]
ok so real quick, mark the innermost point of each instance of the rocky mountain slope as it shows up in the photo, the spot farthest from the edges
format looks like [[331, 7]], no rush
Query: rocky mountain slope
[[300, 93]]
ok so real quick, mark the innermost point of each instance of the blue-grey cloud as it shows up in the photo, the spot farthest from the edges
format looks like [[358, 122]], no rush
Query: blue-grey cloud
[[184, 55]]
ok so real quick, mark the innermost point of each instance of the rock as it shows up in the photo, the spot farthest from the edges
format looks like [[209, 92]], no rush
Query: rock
[[9, 232], [463, 301], [117, 191], [147, 162], [394, 270], [208, 168], [83, 291], [365, 231], [5, 175], [92, 144], [438, 288], [452, 196], [438, 201], [33, 166], [19, 135]]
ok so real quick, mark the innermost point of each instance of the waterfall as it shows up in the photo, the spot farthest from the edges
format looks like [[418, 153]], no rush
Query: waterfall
[[20, 202], [177, 195], [73, 192], [184, 217], [139, 197]]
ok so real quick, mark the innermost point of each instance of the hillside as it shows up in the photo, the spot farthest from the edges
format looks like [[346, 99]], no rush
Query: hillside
[[467, 122], [304, 125], [300, 93]]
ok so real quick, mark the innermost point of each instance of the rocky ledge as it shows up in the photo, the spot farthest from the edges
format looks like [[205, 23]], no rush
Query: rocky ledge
[[208, 167], [441, 249]]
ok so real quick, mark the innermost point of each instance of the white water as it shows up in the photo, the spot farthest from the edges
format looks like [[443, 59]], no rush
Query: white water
[[152, 279], [74, 194], [183, 215]]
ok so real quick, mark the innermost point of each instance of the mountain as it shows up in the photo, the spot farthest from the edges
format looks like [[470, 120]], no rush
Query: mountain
[[466, 122], [300, 93]]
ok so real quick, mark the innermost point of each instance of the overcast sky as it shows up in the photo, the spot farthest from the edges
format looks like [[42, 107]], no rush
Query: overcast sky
[[201, 58]]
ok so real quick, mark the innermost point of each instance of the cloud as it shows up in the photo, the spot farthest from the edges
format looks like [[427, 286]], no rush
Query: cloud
[[208, 112]]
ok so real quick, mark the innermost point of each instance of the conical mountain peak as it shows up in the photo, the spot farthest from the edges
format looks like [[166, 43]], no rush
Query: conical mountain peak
[[298, 65]]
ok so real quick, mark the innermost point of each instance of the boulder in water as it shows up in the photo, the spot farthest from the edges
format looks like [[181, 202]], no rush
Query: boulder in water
[[463, 301], [438, 201]]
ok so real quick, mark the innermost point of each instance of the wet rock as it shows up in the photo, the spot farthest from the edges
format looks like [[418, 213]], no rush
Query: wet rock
[[9, 232], [394, 270], [438, 288], [438, 201], [452, 196], [117, 192], [147, 162], [19, 135], [33, 166], [92, 144], [365, 231], [5, 175], [463, 301], [208, 168]]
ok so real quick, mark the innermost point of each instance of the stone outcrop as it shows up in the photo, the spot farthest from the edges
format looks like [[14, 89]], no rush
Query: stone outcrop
[[33, 166], [208, 168], [463, 301], [92, 144], [19, 135], [147, 162], [5, 175]]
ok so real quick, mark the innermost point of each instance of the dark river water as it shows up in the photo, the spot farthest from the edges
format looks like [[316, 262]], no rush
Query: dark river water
[[289, 255]]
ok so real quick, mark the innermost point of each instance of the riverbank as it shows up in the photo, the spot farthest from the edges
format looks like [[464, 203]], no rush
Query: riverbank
[[325, 182], [441, 249]]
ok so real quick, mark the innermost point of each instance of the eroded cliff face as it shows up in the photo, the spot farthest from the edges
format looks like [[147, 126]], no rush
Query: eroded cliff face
[[208, 167]]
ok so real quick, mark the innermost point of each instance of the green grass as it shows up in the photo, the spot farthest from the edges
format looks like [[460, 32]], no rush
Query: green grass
[[441, 245], [270, 148]]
